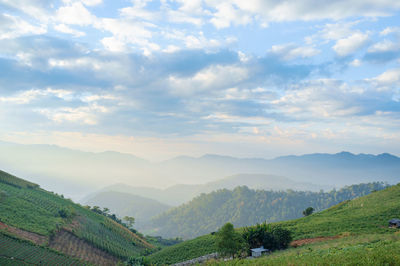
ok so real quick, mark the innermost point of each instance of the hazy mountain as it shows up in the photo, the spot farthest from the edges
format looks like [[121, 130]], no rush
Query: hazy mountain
[[76, 173], [178, 194], [243, 206], [125, 204]]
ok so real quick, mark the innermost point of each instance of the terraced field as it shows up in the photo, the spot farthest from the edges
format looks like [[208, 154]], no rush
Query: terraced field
[[67, 243], [31, 213], [14, 251]]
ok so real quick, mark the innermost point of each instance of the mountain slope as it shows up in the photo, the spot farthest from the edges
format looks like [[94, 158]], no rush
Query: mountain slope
[[125, 204], [178, 194], [243, 206], [365, 219], [44, 218]]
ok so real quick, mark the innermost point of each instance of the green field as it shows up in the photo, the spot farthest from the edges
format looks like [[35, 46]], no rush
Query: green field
[[185, 251], [371, 249], [364, 219], [14, 251], [26, 206]]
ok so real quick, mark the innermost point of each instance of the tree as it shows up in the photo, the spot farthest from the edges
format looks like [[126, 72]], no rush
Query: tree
[[228, 241], [308, 211], [129, 220]]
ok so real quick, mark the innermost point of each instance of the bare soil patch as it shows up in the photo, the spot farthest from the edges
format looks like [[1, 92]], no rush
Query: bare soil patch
[[69, 244], [35, 238]]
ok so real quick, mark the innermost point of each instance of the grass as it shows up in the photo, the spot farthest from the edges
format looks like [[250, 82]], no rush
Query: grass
[[368, 214], [184, 251], [375, 249]]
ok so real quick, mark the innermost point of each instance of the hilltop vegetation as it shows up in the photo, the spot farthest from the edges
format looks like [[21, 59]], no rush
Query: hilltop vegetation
[[243, 207], [359, 226], [29, 212]]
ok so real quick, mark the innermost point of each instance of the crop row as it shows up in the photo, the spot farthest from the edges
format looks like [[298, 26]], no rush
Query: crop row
[[26, 252]]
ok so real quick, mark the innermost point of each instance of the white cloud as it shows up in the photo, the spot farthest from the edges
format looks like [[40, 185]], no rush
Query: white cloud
[[292, 51], [92, 2], [390, 30], [28, 96], [356, 63], [13, 27], [384, 46], [227, 14], [212, 78], [65, 29], [351, 44], [75, 14], [388, 78], [83, 115]]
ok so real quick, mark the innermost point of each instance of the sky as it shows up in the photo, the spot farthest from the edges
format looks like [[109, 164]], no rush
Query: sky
[[159, 79]]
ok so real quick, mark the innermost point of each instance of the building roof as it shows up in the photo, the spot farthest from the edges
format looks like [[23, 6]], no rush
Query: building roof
[[260, 249], [394, 221]]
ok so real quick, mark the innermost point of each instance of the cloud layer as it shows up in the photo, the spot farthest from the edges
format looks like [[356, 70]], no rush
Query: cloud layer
[[265, 76]]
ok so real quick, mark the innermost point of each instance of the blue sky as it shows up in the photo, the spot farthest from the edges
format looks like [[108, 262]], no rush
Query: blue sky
[[162, 78]]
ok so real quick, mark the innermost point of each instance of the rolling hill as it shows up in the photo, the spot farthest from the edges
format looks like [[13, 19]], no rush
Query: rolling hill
[[178, 194], [125, 204], [45, 228], [243, 206], [358, 226]]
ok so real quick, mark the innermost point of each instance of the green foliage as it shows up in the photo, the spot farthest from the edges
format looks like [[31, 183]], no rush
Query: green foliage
[[15, 181], [243, 207], [129, 220], [42, 212], [309, 211], [66, 212], [229, 242], [185, 251], [271, 237], [14, 251]]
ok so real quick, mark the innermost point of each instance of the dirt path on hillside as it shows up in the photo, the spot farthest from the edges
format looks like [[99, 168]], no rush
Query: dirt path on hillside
[[305, 241], [35, 238]]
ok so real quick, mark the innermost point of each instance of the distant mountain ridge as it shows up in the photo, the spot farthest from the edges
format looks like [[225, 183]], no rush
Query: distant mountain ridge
[[181, 193], [67, 170]]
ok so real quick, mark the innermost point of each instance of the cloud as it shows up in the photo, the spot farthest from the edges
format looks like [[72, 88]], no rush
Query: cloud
[[383, 52], [351, 44], [75, 13], [292, 51], [13, 27], [65, 29]]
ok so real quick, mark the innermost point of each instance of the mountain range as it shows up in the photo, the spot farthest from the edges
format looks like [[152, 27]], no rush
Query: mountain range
[[65, 170]]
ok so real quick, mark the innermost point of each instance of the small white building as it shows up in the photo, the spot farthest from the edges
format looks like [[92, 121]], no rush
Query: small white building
[[257, 252]]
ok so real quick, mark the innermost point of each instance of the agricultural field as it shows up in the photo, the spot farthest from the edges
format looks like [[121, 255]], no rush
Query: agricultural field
[[29, 212], [15, 251]]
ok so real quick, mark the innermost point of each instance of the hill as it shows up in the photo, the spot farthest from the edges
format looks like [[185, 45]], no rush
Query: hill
[[40, 222], [178, 194], [359, 227], [125, 204], [243, 206]]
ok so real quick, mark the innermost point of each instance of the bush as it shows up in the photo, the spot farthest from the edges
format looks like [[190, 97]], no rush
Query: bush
[[271, 238], [229, 242]]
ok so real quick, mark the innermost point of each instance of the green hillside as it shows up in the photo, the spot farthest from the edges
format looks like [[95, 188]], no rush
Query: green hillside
[[47, 219], [243, 207], [126, 204], [360, 225]]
